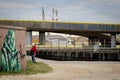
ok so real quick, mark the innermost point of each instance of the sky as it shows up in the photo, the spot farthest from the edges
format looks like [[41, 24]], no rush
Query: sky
[[68, 10]]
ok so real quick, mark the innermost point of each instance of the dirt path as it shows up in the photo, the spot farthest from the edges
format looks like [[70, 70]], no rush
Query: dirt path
[[74, 70]]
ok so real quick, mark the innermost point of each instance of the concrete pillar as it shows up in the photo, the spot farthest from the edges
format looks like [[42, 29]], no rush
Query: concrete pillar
[[103, 57], [41, 38], [84, 56], [29, 37], [91, 56], [113, 40], [118, 56], [99, 56], [76, 55]]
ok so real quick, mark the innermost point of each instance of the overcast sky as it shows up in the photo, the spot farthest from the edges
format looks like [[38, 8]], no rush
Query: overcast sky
[[69, 10]]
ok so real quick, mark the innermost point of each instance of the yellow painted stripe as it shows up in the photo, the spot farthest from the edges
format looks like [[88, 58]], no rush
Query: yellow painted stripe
[[58, 22]]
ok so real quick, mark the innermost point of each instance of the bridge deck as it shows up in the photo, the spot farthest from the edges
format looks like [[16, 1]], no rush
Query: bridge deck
[[90, 30], [53, 25]]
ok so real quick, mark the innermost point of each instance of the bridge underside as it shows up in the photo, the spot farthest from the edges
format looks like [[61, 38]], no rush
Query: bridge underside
[[91, 30], [89, 34]]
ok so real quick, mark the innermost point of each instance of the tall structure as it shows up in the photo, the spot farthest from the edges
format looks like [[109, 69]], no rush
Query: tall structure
[[43, 14], [55, 14]]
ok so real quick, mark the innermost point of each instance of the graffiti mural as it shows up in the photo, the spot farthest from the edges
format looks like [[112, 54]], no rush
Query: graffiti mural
[[9, 54]]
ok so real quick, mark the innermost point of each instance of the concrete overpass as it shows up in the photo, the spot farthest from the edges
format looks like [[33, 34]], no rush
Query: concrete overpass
[[94, 31]]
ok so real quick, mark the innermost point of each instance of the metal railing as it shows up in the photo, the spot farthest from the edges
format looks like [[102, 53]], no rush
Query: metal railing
[[55, 46]]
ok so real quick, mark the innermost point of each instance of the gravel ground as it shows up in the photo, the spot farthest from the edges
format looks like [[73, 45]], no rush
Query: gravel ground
[[74, 70]]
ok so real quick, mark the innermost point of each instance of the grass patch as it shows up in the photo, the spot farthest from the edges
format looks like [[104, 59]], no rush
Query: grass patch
[[32, 68]]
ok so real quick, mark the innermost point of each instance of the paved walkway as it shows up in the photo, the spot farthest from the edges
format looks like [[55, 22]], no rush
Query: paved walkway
[[74, 70]]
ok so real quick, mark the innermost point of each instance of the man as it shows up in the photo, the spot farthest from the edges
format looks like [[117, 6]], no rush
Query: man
[[33, 51]]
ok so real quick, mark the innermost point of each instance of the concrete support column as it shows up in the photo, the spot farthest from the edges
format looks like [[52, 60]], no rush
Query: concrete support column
[[113, 40], [118, 56], [41, 38], [84, 56], [76, 55], [91, 56], [99, 56], [103, 57], [29, 37]]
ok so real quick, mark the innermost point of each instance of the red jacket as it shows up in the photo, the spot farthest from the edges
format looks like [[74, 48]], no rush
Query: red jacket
[[33, 49]]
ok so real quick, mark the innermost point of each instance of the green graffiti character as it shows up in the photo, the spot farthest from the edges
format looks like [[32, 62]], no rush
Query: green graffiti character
[[9, 54]]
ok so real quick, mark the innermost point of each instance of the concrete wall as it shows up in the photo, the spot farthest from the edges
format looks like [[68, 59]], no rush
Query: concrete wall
[[19, 41]]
